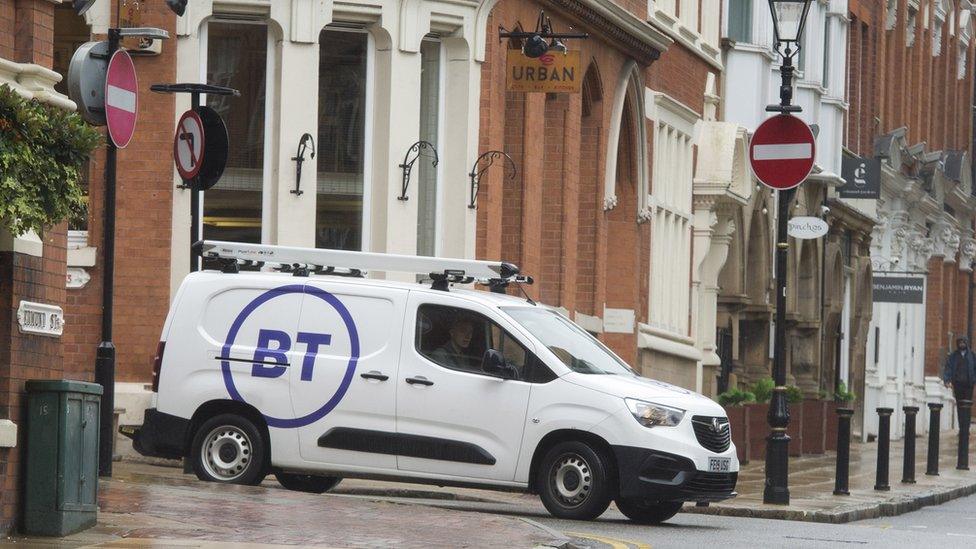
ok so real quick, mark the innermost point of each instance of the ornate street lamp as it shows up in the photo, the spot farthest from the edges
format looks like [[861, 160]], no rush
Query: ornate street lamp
[[789, 18]]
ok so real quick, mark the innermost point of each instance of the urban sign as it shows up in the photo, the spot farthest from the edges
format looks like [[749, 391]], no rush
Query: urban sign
[[898, 289], [807, 228], [40, 319], [121, 98], [782, 151], [552, 72], [863, 177], [188, 145]]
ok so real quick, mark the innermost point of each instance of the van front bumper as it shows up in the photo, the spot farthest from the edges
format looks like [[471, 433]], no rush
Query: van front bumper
[[161, 435], [660, 476]]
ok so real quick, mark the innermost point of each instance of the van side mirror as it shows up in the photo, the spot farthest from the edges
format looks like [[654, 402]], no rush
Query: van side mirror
[[494, 364]]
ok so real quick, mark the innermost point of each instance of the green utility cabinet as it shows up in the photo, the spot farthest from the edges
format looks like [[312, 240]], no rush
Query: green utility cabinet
[[62, 457]]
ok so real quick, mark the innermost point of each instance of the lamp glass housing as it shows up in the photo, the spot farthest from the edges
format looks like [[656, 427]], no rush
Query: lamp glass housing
[[789, 17]]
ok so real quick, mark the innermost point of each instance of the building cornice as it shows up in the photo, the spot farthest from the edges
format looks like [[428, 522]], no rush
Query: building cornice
[[621, 28]]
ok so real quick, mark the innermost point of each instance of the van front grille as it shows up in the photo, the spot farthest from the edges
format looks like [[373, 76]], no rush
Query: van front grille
[[713, 433]]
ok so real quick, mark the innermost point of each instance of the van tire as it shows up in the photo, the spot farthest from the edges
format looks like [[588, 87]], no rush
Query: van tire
[[312, 484], [643, 511], [229, 448], [574, 481]]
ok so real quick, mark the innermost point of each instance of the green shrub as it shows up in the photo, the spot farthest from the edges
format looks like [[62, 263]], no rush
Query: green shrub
[[763, 389], [42, 152], [842, 394], [794, 395], [736, 397]]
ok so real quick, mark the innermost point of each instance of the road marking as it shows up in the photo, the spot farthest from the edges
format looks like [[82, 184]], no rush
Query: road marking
[[961, 535], [612, 542], [789, 151]]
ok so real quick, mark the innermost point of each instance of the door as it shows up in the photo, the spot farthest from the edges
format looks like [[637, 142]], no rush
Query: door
[[452, 418], [343, 383]]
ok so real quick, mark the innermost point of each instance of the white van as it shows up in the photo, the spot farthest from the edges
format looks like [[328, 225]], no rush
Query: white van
[[315, 377]]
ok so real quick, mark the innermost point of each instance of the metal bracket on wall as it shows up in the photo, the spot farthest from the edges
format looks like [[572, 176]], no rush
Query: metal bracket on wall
[[476, 174], [299, 158], [417, 151]]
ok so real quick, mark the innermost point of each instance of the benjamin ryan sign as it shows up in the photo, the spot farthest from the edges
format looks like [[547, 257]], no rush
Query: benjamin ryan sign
[[553, 72]]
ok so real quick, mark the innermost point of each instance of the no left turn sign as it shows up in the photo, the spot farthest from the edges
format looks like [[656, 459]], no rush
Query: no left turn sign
[[782, 151], [188, 145]]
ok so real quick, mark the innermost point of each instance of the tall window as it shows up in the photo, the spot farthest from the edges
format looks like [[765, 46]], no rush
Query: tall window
[[430, 78], [673, 173], [740, 20], [825, 79], [237, 56], [340, 150]]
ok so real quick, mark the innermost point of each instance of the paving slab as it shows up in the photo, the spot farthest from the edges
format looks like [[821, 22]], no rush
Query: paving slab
[[811, 482]]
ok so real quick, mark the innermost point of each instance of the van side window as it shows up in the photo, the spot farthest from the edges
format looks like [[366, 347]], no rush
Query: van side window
[[457, 338]]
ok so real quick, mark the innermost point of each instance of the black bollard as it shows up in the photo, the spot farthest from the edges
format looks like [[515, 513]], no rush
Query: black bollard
[[908, 469], [884, 444], [842, 484], [965, 409], [935, 409]]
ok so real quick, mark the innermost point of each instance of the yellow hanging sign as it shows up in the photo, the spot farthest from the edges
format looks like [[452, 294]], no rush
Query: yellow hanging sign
[[553, 72]]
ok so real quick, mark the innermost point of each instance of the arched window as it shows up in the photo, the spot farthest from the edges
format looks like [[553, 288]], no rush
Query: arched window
[[591, 193], [628, 103]]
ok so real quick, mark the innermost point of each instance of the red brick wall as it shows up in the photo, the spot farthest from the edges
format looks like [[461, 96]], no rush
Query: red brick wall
[[947, 297], [144, 198], [23, 356]]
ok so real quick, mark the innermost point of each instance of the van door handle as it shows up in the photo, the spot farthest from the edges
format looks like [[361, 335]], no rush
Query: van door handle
[[373, 374], [419, 380]]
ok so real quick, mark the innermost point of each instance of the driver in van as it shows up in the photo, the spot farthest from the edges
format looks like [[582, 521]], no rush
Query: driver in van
[[455, 353]]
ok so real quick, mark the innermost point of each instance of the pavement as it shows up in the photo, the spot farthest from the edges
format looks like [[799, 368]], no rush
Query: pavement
[[147, 505], [811, 482]]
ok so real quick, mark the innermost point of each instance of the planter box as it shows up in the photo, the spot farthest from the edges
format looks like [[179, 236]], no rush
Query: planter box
[[795, 429], [815, 422], [739, 423], [758, 430]]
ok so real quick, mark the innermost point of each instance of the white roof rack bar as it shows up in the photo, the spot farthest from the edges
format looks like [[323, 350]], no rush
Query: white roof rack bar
[[364, 261]]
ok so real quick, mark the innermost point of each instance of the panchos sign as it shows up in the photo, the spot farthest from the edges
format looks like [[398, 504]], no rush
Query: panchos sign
[[553, 72]]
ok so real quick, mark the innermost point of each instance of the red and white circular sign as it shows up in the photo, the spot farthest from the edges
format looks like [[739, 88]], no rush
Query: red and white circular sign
[[188, 145], [782, 151], [121, 98]]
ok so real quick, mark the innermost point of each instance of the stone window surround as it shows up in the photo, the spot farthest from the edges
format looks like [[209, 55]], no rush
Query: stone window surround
[[690, 38]]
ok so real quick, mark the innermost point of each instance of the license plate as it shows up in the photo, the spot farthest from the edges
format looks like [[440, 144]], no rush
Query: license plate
[[719, 465]]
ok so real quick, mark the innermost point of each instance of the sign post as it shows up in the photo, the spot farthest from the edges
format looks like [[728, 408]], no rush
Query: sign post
[[781, 155]]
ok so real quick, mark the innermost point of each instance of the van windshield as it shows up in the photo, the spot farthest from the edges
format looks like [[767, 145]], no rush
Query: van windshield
[[575, 347]]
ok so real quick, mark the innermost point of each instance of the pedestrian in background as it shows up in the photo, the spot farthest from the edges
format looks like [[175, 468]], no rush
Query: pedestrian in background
[[960, 370]]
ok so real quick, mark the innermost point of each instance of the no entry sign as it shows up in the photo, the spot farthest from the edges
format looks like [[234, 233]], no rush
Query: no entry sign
[[782, 152], [121, 98], [188, 145]]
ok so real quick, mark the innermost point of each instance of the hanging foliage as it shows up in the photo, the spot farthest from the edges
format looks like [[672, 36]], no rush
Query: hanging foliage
[[42, 152]]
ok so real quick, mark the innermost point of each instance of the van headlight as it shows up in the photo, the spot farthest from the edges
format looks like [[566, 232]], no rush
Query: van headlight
[[649, 414]]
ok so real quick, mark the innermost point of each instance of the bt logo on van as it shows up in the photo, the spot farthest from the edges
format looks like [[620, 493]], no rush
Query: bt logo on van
[[339, 347]]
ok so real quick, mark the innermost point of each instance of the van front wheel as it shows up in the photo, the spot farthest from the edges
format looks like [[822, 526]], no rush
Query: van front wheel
[[229, 448], [574, 481], [313, 484], [644, 511]]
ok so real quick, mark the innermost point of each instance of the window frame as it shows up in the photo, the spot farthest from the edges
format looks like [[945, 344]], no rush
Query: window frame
[[530, 370]]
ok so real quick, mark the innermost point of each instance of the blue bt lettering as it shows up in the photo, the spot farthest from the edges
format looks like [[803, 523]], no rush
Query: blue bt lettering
[[264, 352], [312, 341]]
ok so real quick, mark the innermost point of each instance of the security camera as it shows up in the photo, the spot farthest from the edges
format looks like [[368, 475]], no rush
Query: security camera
[[825, 210]]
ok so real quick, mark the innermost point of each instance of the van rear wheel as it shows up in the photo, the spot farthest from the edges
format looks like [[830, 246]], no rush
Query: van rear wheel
[[574, 481], [644, 511], [229, 448], [313, 484]]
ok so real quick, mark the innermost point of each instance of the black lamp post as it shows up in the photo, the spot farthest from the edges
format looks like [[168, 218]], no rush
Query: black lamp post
[[789, 18]]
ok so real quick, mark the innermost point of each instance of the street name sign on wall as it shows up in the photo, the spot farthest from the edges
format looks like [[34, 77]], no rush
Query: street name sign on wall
[[782, 152], [121, 98], [898, 289], [552, 72], [863, 177], [40, 319], [807, 228]]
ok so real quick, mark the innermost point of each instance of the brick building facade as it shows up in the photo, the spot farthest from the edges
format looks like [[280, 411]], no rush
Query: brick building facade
[[32, 267]]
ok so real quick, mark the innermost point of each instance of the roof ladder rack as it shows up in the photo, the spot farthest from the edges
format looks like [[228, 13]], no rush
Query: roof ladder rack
[[442, 270]]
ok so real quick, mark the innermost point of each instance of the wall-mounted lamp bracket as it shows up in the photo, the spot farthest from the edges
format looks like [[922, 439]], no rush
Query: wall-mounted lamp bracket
[[299, 158], [416, 150], [485, 161]]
